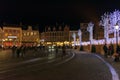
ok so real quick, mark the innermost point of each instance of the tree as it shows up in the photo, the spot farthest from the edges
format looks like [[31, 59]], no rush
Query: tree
[[114, 20], [105, 23]]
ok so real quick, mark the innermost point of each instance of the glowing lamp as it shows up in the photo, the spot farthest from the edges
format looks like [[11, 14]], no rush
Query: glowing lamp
[[116, 27]]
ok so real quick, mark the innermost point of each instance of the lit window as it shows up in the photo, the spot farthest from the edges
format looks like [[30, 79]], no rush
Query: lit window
[[34, 33], [24, 34], [27, 33], [6, 34], [31, 33]]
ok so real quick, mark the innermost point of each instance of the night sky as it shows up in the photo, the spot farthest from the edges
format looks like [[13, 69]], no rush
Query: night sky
[[48, 12]]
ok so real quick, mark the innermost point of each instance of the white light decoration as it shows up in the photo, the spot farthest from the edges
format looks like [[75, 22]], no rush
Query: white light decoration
[[12, 36], [80, 36], [74, 37], [115, 20], [105, 23], [90, 30], [116, 27]]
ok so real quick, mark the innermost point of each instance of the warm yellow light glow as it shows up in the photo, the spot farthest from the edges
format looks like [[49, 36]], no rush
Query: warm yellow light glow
[[37, 39], [6, 34], [34, 33], [3, 40], [24, 34], [49, 43], [6, 39], [27, 33], [10, 39], [31, 33]]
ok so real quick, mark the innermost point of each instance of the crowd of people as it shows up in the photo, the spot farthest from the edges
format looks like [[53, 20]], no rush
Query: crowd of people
[[20, 51]]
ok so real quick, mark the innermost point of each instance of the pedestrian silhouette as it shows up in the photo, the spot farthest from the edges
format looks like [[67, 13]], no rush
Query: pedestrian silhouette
[[105, 48]]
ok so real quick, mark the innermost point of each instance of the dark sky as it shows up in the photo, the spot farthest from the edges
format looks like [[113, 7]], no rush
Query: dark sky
[[48, 12]]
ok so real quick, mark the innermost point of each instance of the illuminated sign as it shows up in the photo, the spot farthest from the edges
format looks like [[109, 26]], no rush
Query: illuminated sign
[[12, 36]]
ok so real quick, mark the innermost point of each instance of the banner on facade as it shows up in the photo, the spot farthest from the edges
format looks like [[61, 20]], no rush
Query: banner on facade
[[12, 36]]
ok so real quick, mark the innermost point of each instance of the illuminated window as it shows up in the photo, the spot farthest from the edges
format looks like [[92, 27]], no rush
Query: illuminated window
[[6, 34], [27, 33], [31, 33], [24, 34], [34, 33]]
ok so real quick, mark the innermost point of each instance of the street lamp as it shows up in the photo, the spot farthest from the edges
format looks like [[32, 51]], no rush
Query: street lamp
[[116, 27]]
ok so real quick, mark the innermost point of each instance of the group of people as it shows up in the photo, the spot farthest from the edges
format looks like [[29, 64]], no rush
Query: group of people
[[109, 51], [18, 51]]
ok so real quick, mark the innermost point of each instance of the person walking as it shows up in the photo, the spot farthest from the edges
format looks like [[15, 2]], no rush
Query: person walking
[[18, 52], [56, 50], [63, 51], [13, 51], [110, 50], [23, 51]]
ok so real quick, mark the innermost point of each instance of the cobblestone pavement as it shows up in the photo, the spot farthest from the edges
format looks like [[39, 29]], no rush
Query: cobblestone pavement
[[7, 56], [84, 66], [7, 61]]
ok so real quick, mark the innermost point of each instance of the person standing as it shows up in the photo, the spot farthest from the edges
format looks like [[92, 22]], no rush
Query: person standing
[[63, 51], [13, 51], [105, 48], [110, 50], [117, 54], [23, 51]]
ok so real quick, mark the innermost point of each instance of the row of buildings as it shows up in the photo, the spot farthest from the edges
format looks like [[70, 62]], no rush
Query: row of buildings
[[59, 36], [14, 35], [56, 36]]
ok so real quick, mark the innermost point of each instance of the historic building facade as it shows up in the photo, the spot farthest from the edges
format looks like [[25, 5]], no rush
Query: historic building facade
[[1, 37], [12, 35], [57, 37], [85, 33], [30, 37]]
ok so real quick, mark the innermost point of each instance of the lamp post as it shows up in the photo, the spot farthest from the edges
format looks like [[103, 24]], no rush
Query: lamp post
[[116, 27]]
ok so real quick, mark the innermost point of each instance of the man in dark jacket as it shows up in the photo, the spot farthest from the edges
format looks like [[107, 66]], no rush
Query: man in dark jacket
[[105, 48]]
